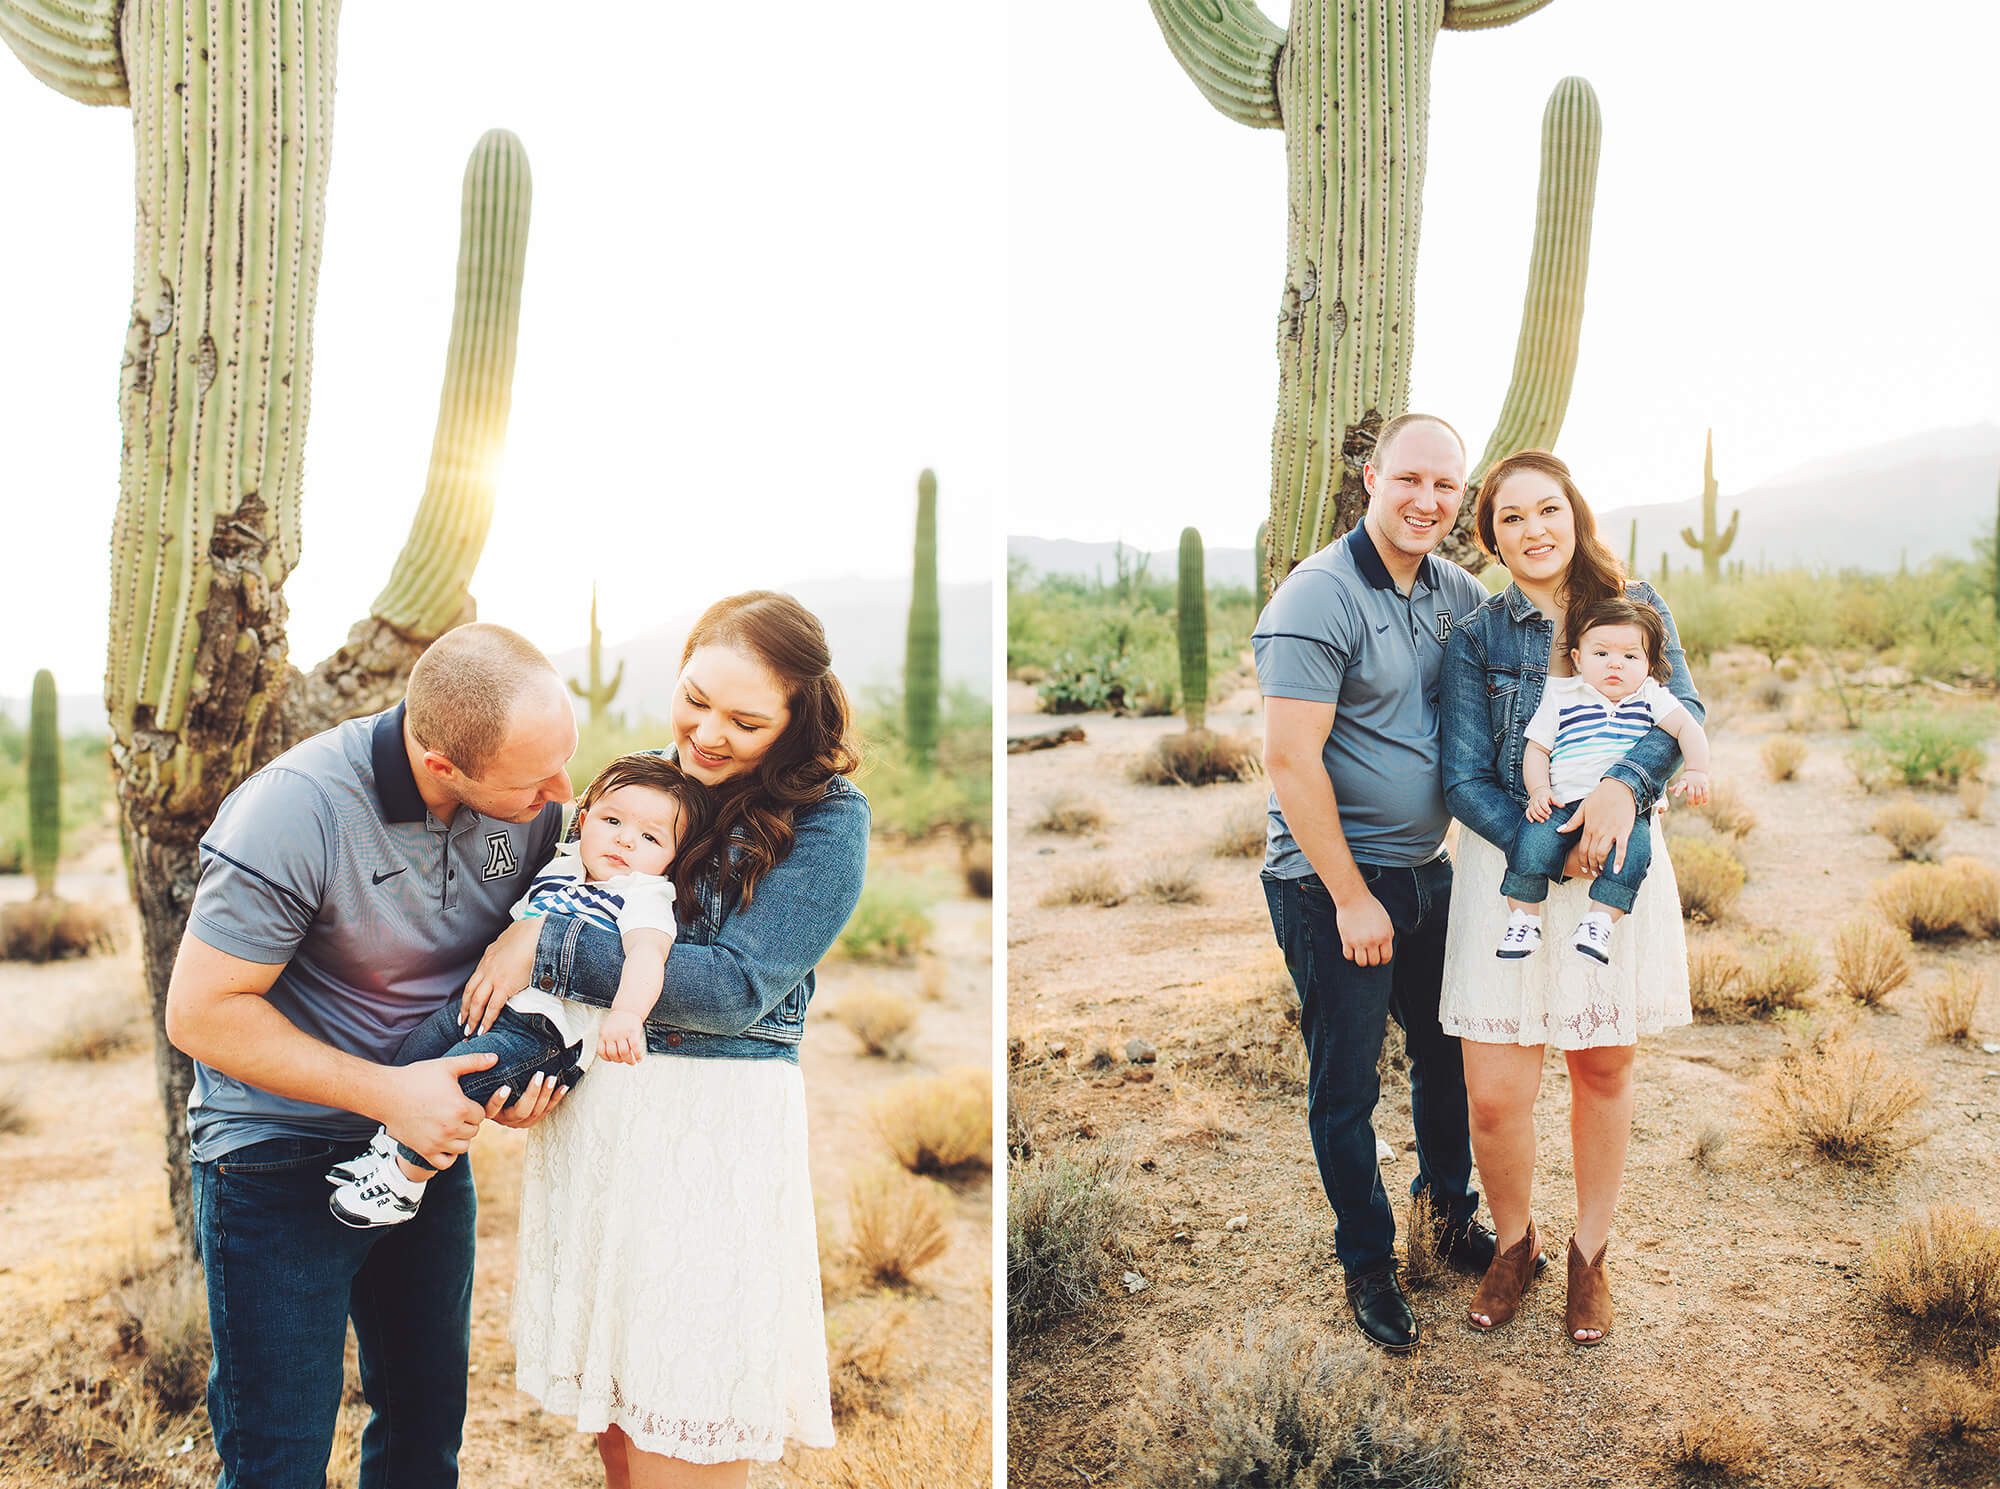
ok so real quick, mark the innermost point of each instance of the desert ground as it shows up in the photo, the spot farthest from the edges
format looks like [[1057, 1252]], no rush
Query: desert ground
[[1741, 1266], [85, 1238]]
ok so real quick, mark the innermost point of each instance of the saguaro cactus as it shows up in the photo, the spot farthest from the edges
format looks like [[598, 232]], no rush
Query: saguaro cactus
[[232, 114], [1710, 545], [923, 641], [598, 693], [44, 785], [1260, 561], [1350, 85], [1632, 552], [1193, 623]]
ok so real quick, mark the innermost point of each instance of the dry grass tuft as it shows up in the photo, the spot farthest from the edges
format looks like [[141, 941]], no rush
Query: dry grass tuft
[[1956, 1408], [98, 1032], [1173, 884], [1715, 979], [1716, 1447], [1838, 1099], [1972, 798], [1069, 815], [1911, 828], [1782, 976], [1951, 1005], [1924, 899], [165, 1324], [53, 930], [1942, 1267], [975, 866], [1975, 888], [1199, 757], [879, 1017], [1423, 1264], [939, 1124], [13, 1111], [1728, 813], [898, 1224], [864, 1350], [1242, 834], [1709, 1141], [927, 1447], [1783, 755], [933, 979], [1277, 1405], [1095, 885], [1870, 961], [1065, 1211], [1710, 876]]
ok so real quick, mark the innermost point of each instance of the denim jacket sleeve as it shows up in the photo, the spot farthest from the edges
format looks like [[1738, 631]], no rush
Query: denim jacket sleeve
[[1473, 789], [1650, 763], [760, 952]]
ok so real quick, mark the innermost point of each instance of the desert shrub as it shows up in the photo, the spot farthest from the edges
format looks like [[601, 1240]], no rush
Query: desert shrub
[[898, 1224], [1951, 1003], [1199, 757], [975, 863], [1911, 828], [1782, 755], [1955, 1408], [928, 1445], [95, 1032], [1716, 1447], [1266, 1065], [933, 979], [1782, 976], [1922, 750], [1065, 1211], [1172, 884], [1710, 876], [1709, 1141], [864, 1353], [1242, 834], [953, 793], [1924, 899], [891, 922], [1423, 1263], [1069, 815], [1704, 614], [1942, 1267], [1838, 1099], [165, 1323], [13, 1111], [1715, 979], [1972, 798], [1727, 812], [939, 1124], [1870, 961], [1097, 884], [1278, 1405], [1975, 891], [1770, 693], [879, 1017], [53, 930]]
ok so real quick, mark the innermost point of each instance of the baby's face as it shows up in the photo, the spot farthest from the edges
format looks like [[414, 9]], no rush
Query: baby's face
[[1612, 659], [629, 830]]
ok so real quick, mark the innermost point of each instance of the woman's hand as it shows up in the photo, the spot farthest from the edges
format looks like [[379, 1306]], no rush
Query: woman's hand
[[504, 970], [539, 1099], [1603, 823]]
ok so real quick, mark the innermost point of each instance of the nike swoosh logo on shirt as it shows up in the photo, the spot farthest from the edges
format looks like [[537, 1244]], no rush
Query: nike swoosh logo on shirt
[[390, 875], [1381, 628]]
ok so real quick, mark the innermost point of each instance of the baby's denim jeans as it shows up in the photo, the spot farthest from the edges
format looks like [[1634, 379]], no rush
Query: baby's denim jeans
[[1539, 850], [525, 1043]]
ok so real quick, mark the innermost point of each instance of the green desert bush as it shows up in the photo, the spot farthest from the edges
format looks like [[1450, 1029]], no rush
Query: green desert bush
[[1066, 1210], [1922, 750], [891, 922], [1710, 876], [1910, 827], [1279, 1404], [954, 794]]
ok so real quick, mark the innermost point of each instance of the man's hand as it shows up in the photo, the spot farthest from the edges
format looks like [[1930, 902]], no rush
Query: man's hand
[[1367, 937], [541, 1096], [506, 968], [427, 1112], [623, 1038], [1602, 823], [1692, 787], [1541, 805]]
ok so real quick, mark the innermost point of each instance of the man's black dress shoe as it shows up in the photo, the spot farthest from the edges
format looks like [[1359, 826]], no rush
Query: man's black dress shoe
[[1470, 1248], [1381, 1310]]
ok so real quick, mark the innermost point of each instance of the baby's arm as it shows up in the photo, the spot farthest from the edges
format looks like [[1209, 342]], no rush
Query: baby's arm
[[1535, 776], [1693, 739], [646, 927]]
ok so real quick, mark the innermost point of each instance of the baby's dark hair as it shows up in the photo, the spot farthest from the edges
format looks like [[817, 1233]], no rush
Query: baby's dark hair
[[659, 773], [1622, 612]]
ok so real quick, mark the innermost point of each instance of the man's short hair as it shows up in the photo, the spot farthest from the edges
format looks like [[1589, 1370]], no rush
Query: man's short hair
[[1401, 422], [465, 688]]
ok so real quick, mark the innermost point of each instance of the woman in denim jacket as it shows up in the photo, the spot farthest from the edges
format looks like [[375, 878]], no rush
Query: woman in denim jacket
[[1533, 519], [667, 1293]]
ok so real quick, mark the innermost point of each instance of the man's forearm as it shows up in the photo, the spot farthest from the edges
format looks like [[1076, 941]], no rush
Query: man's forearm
[[244, 1037], [1305, 796]]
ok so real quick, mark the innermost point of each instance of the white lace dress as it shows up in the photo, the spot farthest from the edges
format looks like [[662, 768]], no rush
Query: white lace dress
[[667, 1278], [1559, 996]]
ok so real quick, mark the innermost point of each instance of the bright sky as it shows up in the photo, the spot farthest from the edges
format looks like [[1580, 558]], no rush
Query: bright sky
[[1793, 242], [765, 287]]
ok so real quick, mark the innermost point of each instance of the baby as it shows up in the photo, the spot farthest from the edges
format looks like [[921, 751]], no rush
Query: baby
[[630, 821], [1585, 724]]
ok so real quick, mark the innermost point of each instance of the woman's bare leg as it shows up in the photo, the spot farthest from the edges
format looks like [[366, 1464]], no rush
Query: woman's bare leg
[[654, 1471], [1500, 1085], [612, 1444], [1600, 1126]]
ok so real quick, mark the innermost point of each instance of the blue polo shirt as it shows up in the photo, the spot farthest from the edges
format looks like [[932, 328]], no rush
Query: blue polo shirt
[[328, 860], [1339, 631]]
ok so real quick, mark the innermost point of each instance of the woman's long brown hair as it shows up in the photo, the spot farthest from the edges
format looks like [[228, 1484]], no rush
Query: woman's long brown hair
[[1594, 570], [756, 809]]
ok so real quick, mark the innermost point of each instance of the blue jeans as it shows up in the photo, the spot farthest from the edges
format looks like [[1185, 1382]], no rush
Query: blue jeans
[[1342, 1014], [1539, 850], [284, 1277], [525, 1043]]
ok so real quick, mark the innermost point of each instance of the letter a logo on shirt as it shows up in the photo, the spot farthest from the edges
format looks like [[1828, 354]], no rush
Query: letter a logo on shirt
[[500, 860], [1444, 625]]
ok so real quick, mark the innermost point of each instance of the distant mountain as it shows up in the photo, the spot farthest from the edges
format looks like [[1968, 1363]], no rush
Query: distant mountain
[[1906, 500]]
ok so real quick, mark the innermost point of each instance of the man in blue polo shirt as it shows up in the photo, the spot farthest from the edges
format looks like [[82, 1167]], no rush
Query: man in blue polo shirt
[[1348, 651], [347, 891]]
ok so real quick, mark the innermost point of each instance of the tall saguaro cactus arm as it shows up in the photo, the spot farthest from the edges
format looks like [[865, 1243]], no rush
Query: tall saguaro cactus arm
[[1483, 15], [72, 45], [1711, 545], [597, 693], [1230, 49]]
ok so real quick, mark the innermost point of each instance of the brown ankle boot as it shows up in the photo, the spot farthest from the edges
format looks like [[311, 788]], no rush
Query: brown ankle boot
[[1500, 1290], [1589, 1305]]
